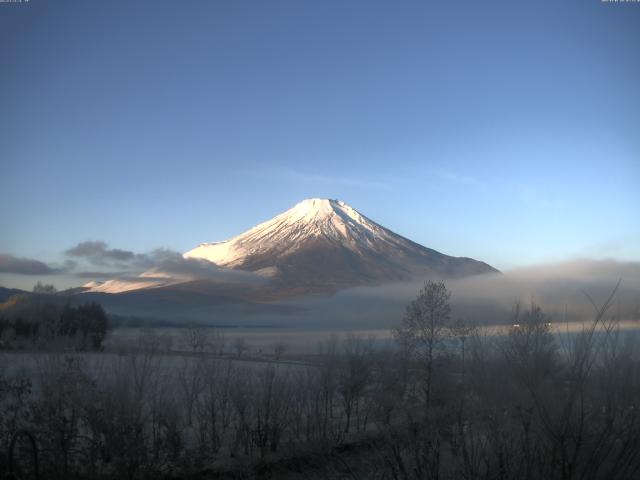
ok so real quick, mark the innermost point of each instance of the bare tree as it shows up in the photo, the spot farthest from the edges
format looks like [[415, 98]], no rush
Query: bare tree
[[214, 404], [271, 405], [462, 330], [354, 375], [390, 378], [196, 337], [425, 326], [241, 393], [58, 412], [191, 381]]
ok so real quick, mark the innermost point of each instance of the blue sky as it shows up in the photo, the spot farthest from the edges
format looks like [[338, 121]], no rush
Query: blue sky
[[504, 131]]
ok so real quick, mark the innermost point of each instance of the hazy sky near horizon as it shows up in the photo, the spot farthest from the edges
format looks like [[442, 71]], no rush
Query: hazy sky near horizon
[[507, 131]]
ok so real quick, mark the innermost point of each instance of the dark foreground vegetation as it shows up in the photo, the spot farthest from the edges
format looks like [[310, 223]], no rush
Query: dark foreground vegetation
[[445, 401]]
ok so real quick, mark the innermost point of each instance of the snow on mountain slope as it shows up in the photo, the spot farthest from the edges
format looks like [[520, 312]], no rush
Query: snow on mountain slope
[[327, 242], [312, 218], [150, 279]]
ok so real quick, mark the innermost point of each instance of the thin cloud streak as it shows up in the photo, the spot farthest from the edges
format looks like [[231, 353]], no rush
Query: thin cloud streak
[[97, 253]]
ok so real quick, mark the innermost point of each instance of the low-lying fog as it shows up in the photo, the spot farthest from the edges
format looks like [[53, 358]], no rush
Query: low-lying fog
[[564, 291], [560, 289]]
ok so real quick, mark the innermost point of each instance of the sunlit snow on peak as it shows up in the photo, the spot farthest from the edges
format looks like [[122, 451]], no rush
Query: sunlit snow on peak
[[320, 208], [314, 217]]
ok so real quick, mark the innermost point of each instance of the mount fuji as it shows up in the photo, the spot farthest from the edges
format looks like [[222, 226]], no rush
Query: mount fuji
[[317, 246], [326, 245]]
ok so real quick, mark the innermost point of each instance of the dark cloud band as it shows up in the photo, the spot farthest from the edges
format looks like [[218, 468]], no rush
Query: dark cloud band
[[25, 266], [127, 263], [98, 253]]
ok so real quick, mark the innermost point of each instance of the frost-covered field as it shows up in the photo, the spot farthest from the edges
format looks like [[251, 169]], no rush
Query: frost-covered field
[[151, 401]]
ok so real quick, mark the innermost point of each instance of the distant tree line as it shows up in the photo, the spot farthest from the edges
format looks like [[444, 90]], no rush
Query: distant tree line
[[44, 288], [29, 322]]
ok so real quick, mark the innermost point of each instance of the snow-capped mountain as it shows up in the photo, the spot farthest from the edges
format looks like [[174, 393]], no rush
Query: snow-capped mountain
[[326, 245], [315, 218], [319, 245]]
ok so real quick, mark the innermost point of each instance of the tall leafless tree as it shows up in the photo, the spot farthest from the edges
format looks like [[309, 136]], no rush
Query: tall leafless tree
[[424, 328]]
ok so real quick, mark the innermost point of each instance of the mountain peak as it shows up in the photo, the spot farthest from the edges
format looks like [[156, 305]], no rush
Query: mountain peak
[[314, 207], [320, 205], [320, 209], [311, 218]]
